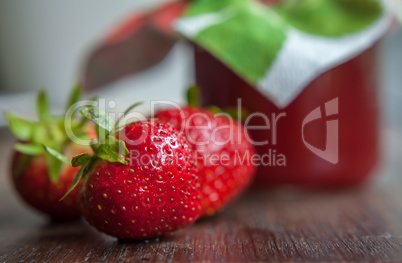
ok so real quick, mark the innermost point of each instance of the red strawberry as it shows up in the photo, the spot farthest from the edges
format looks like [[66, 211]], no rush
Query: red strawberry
[[223, 154], [39, 178], [37, 189], [140, 184]]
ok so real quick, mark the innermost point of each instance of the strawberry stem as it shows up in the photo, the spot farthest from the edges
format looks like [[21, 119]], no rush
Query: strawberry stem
[[193, 96], [126, 112]]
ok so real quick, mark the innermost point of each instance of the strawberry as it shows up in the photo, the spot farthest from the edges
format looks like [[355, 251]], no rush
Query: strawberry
[[41, 192], [223, 153], [139, 184], [40, 179]]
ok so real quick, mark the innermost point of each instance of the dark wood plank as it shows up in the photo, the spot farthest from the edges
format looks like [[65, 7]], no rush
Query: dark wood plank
[[362, 224]]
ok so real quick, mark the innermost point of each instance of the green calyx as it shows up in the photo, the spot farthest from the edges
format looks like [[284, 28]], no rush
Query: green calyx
[[194, 96], [107, 147], [48, 130]]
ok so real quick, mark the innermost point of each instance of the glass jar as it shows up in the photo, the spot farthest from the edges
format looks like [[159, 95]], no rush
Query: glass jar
[[353, 125]]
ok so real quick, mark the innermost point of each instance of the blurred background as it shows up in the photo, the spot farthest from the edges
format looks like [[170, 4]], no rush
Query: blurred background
[[44, 44]]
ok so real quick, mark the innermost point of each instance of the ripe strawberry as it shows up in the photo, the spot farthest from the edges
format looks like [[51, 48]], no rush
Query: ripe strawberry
[[140, 184], [37, 189], [223, 154], [40, 179]]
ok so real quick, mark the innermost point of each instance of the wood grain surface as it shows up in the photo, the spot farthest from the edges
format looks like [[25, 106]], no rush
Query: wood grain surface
[[363, 224]]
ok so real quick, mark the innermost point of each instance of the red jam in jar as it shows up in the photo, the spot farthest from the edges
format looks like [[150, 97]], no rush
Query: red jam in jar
[[352, 124]]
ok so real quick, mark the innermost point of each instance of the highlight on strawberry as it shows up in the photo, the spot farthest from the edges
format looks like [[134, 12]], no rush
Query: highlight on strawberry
[[39, 178], [140, 181], [222, 148]]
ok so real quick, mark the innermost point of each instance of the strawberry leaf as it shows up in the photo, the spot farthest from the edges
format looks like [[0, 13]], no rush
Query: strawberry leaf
[[54, 167], [56, 133], [74, 96], [49, 130], [193, 96], [101, 118], [237, 114], [29, 149], [75, 183], [57, 155], [113, 151], [126, 112], [22, 129], [43, 106], [94, 146], [214, 109], [83, 136], [101, 135], [81, 159], [40, 135]]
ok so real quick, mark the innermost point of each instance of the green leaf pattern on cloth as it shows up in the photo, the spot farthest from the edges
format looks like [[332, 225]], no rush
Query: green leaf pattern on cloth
[[271, 46], [332, 18], [248, 26]]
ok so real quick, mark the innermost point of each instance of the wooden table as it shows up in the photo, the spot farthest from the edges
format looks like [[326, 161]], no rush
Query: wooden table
[[362, 224]]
